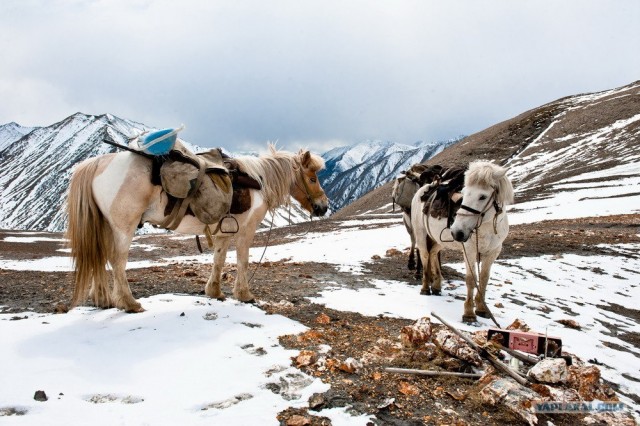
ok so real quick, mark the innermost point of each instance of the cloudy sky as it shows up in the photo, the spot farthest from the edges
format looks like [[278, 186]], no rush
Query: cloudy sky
[[317, 74]]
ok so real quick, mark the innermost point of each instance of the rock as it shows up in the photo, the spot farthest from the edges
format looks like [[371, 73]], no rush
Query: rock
[[323, 319], [455, 346], [40, 396], [408, 389], [350, 365], [516, 398], [586, 380], [569, 323], [316, 402], [417, 334], [306, 358], [549, 370], [298, 420], [553, 393], [610, 419], [393, 252], [479, 337], [518, 324]]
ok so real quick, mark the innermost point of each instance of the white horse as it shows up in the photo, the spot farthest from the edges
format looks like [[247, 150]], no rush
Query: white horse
[[486, 192], [110, 195]]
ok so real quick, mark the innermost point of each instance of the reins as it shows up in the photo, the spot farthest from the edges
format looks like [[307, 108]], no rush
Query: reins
[[265, 249]]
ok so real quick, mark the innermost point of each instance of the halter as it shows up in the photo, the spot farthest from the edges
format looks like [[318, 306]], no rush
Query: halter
[[310, 195], [491, 202]]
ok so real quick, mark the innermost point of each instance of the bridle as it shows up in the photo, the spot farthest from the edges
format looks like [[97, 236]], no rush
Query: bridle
[[310, 195], [491, 202]]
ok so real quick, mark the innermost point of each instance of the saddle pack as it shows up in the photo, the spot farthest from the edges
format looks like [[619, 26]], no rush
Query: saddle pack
[[441, 199], [407, 185], [208, 185]]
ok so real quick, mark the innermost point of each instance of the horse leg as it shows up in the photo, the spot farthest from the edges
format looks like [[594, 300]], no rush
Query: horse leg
[[485, 270], [434, 266], [470, 280], [241, 286], [212, 289], [426, 272], [412, 260], [407, 224], [418, 273], [121, 295]]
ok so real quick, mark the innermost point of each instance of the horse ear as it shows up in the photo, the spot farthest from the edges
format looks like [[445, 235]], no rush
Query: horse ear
[[305, 159], [499, 173]]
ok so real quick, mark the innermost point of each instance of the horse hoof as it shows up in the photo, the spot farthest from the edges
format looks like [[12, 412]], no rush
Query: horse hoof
[[436, 292], [221, 298], [482, 314], [425, 292], [250, 302], [135, 310], [469, 319]]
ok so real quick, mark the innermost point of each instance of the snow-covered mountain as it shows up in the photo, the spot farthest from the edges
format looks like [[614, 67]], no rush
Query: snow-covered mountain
[[11, 132], [36, 164], [354, 170]]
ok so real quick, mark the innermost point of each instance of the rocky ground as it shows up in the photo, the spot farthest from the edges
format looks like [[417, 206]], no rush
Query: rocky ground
[[283, 287]]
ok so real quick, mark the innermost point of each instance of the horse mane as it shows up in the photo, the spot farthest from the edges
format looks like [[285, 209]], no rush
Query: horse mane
[[276, 171], [485, 173]]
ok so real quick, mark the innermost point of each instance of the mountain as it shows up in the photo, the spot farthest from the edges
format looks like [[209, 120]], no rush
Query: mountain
[[11, 132], [354, 170], [552, 151], [36, 164]]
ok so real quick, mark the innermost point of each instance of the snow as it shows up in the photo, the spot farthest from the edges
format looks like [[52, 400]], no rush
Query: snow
[[162, 367], [173, 364]]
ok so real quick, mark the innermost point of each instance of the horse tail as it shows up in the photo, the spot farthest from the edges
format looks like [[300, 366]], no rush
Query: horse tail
[[90, 236]]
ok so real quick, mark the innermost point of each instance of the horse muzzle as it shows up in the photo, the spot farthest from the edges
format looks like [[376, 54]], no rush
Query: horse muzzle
[[320, 209], [460, 236]]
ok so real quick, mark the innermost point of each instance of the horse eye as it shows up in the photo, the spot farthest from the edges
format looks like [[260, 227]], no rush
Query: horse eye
[[313, 180], [483, 197]]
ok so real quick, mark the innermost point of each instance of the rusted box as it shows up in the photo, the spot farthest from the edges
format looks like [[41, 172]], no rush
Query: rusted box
[[533, 343]]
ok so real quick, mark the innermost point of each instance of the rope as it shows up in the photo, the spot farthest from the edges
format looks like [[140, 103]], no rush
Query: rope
[[263, 251]]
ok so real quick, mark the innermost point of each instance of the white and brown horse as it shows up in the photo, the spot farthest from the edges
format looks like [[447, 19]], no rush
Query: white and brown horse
[[110, 195], [479, 228]]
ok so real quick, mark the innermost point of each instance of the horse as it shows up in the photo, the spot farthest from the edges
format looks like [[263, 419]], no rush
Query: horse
[[486, 192], [404, 188], [110, 195]]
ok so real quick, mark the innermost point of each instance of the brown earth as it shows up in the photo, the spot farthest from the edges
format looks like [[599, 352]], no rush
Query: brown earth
[[283, 287]]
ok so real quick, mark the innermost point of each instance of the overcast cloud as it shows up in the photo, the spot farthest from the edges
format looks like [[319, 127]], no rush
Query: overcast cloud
[[309, 73]]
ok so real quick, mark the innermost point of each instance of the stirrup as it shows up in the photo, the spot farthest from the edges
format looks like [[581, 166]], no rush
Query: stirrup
[[228, 225]]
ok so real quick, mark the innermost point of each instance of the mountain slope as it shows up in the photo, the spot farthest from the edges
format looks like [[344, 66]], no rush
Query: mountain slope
[[36, 168], [552, 148], [355, 170]]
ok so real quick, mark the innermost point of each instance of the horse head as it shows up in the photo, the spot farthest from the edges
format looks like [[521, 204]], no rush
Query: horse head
[[306, 187], [486, 191]]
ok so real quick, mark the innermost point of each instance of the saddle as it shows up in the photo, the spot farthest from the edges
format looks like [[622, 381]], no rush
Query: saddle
[[440, 198], [224, 191], [198, 183]]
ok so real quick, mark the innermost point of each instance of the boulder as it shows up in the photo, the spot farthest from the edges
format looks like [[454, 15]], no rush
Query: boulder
[[549, 370]]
